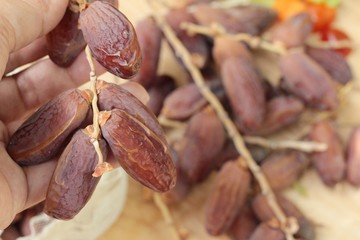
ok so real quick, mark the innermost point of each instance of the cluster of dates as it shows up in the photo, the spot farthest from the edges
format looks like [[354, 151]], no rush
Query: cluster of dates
[[310, 79], [63, 127]]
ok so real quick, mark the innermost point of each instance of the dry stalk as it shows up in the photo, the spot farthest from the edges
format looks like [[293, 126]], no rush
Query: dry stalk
[[288, 227], [165, 212], [304, 146], [102, 166], [217, 30]]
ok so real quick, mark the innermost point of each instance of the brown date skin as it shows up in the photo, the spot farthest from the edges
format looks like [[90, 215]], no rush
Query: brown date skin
[[281, 111], [333, 62], [149, 36], [163, 86], [43, 135], [66, 41], [264, 213], [307, 80], [199, 145], [182, 187], [196, 44], [283, 168], [330, 164], [178, 107], [227, 198], [112, 39], [139, 150], [265, 231], [248, 19], [244, 224], [353, 158], [112, 96], [72, 183], [294, 31], [225, 47], [245, 92]]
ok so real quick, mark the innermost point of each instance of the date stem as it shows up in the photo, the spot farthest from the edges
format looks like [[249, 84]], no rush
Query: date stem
[[217, 30], [102, 166], [165, 212], [288, 227], [304, 146]]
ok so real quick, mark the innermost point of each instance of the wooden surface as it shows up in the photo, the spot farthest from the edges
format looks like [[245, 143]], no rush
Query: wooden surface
[[336, 211]]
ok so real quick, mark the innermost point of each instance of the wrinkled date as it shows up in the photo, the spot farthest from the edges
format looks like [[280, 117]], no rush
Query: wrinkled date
[[247, 19], [264, 213], [111, 38], [200, 146], [66, 40], [42, 136], [178, 107], [112, 96], [293, 32], [225, 47], [283, 168], [307, 80], [72, 183], [227, 197], [149, 37], [244, 224], [196, 44], [245, 92], [281, 111], [330, 164], [268, 232], [333, 62], [139, 150]]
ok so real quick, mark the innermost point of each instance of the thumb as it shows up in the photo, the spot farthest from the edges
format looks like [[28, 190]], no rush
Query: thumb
[[21, 22]]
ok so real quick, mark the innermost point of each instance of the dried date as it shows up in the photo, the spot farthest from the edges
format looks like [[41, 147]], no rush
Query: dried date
[[283, 168], [309, 81], [333, 62], [264, 212], [199, 146], [244, 90], [72, 183], [294, 31], [43, 135], [330, 164], [227, 197], [149, 36], [111, 38], [140, 151]]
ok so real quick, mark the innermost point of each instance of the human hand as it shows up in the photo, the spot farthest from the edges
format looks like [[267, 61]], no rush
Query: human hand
[[23, 25]]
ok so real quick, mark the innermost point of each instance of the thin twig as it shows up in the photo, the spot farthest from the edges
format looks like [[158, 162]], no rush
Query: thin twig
[[217, 30], [102, 166], [165, 212], [304, 146], [227, 122]]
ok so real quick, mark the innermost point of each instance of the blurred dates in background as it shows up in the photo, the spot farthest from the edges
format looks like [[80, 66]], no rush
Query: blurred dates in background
[[180, 138]]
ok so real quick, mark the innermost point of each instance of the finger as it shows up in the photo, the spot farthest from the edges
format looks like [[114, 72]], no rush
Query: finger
[[38, 178], [40, 83], [21, 22], [21, 188], [28, 54]]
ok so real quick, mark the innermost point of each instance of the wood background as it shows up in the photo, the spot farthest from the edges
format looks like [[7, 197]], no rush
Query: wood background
[[335, 211]]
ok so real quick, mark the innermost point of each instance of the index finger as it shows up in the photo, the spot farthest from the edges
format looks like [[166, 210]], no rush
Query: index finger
[[23, 21]]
